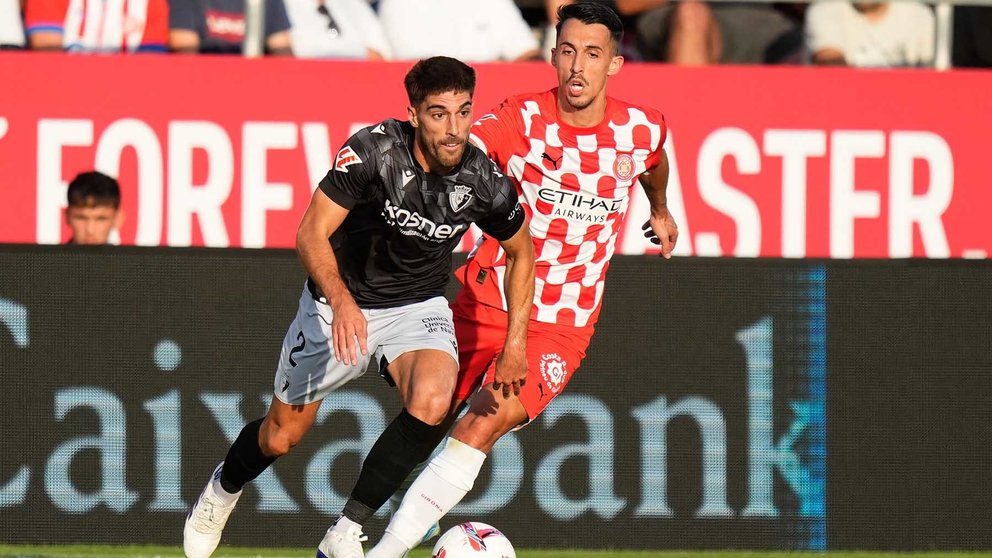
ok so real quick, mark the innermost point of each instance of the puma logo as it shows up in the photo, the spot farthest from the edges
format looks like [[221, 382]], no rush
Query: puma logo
[[551, 159]]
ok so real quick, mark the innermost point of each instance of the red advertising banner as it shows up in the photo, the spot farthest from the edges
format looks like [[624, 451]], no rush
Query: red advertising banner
[[766, 161]]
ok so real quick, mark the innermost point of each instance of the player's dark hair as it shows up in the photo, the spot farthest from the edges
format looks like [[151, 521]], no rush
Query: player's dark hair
[[438, 74], [590, 12], [91, 189]]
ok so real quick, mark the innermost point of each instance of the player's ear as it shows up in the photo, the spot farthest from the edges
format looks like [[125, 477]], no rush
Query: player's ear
[[412, 113], [615, 64], [119, 219]]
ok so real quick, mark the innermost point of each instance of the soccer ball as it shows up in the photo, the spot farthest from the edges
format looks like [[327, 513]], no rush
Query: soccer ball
[[473, 540]]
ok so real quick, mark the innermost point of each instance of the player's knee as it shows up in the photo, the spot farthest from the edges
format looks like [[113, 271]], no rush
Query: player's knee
[[431, 408], [430, 402]]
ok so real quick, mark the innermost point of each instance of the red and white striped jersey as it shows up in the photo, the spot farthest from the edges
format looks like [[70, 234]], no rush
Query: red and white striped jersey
[[574, 184], [102, 25]]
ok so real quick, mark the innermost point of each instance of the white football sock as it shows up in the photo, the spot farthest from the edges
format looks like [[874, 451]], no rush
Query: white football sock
[[397, 498], [226, 497], [446, 480]]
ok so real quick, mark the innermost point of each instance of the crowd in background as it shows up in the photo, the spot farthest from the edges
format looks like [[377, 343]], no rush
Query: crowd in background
[[897, 33]]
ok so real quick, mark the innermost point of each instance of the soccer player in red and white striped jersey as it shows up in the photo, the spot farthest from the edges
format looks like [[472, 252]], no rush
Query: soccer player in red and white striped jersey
[[574, 154]]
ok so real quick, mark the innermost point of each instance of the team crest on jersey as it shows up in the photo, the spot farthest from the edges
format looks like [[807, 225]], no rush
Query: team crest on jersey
[[346, 157], [623, 167], [553, 370], [460, 198]]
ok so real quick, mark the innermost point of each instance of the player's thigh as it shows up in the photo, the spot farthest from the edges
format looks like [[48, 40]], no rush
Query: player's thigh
[[553, 357], [479, 343], [417, 342], [425, 379], [307, 370]]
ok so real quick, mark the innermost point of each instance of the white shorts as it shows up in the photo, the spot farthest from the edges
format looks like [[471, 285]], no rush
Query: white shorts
[[307, 369]]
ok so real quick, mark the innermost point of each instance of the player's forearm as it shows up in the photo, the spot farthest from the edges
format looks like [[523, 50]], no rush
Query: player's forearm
[[320, 262], [655, 184], [519, 292]]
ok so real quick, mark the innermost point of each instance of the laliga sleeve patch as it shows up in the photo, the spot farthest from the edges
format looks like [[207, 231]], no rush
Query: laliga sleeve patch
[[554, 369], [346, 157]]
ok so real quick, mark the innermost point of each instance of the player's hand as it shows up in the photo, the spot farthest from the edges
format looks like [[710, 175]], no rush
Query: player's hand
[[661, 229], [347, 324], [511, 372]]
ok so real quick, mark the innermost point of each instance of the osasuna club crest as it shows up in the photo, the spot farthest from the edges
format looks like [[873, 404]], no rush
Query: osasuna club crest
[[460, 197]]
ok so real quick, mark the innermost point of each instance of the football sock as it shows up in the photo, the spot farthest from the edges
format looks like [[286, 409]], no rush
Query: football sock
[[402, 445], [445, 481], [245, 460], [397, 498], [221, 493]]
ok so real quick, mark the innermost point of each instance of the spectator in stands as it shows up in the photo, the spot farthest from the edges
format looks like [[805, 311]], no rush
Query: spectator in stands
[[870, 34], [96, 25], [11, 26], [695, 32], [218, 27], [476, 31], [94, 208], [972, 46], [336, 29], [549, 34]]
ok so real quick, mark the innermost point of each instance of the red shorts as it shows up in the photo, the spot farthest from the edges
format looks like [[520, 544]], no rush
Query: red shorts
[[554, 353]]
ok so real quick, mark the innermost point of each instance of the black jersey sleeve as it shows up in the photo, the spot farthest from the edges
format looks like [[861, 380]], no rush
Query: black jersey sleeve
[[506, 216], [351, 179]]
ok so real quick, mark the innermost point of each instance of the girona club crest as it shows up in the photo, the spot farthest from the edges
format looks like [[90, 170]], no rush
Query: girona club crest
[[553, 370], [623, 167]]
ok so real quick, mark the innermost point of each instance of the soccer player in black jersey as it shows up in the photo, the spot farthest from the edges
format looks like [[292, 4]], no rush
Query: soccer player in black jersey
[[377, 241]]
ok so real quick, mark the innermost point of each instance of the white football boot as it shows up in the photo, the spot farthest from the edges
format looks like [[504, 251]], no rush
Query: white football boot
[[342, 545], [206, 519]]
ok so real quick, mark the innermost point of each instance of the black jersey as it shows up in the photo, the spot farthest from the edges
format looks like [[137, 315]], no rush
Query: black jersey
[[395, 245]]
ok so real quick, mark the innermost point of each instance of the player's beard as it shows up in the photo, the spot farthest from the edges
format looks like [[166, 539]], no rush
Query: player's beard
[[440, 154], [577, 102]]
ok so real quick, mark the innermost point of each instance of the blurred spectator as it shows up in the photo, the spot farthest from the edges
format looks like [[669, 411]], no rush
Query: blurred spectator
[[96, 25], [870, 34], [11, 26], [474, 31], [972, 46], [218, 27], [336, 29], [94, 208], [695, 32], [550, 33]]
